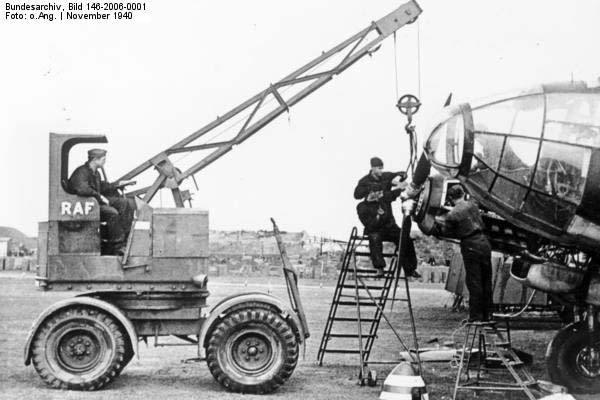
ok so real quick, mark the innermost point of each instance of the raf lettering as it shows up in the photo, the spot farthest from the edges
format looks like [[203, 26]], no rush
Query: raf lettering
[[76, 208]]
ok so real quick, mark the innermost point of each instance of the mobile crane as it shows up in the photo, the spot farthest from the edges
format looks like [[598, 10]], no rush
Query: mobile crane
[[159, 286]]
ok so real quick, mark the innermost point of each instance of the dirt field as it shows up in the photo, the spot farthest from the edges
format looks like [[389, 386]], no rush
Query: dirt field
[[160, 374]]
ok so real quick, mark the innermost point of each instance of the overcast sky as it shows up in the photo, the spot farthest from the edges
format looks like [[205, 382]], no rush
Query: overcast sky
[[149, 82]]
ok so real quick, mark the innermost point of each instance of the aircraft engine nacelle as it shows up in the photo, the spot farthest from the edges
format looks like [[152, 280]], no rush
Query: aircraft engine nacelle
[[548, 276], [430, 203]]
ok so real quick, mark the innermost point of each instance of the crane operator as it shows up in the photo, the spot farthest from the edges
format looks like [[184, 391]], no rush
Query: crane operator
[[377, 190], [116, 211], [464, 222]]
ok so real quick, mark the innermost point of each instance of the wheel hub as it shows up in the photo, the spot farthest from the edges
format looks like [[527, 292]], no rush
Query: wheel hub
[[252, 352], [78, 351], [588, 360]]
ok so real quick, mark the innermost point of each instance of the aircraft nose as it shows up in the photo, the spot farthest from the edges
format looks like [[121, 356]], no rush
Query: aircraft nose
[[445, 144]]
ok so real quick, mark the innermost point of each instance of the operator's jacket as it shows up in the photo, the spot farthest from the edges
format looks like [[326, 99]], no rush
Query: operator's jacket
[[86, 182], [368, 210], [464, 222], [118, 214]]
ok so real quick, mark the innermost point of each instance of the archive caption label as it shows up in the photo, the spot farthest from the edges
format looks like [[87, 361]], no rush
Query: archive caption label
[[26, 11]]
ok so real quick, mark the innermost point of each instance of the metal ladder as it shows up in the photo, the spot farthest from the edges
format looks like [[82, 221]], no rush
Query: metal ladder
[[364, 300], [494, 354]]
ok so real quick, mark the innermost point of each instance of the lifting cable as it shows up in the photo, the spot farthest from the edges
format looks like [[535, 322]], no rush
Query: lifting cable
[[396, 65], [413, 142], [419, 58], [413, 137]]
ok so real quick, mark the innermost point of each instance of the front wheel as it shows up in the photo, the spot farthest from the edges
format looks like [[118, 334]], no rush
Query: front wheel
[[79, 348], [252, 351], [573, 359]]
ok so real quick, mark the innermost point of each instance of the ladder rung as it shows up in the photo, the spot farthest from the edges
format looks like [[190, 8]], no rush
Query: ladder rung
[[349, 335], [494, 329], [499, 344], [345, 351], [373, 275], [365, 271], [353, 296], [370, 287], [510, 362], [348, 319], [516, 363], [353, 303]]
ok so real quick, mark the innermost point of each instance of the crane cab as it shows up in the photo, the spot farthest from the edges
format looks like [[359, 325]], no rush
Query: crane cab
[[167, 246]]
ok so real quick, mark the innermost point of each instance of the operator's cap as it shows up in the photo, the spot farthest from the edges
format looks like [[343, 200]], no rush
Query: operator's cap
[[96, 153], [376, 162]]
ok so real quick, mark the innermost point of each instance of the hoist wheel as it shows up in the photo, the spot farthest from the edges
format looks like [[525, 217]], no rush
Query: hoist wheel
[[408, 104]]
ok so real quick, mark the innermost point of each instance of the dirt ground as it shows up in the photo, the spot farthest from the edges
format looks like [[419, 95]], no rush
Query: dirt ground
[[159, 373]]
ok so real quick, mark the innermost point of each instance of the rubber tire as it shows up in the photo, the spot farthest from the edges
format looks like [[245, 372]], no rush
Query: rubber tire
[[263, 319], [561, 359], [46, 362], [126, 358]]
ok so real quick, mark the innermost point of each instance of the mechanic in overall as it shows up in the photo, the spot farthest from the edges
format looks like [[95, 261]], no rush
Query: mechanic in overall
[[464, 222], [115, 210], [377, 190]]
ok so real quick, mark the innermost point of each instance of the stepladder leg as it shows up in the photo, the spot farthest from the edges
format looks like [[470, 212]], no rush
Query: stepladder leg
[[461, 362]]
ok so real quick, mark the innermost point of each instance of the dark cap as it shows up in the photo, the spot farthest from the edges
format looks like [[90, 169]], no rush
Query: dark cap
[[376, 162], [456, 192], [96, 153]]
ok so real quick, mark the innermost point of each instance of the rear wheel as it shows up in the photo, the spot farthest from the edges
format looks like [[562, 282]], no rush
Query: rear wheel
[[252, 351], [79, 348], [573, 359]]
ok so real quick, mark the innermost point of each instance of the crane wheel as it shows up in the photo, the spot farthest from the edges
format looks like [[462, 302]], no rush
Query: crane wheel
[[79, 348], [126, 358], [253, 350], [573, 359]]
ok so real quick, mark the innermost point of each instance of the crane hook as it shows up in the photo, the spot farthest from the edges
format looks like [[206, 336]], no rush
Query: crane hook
[[408, 105]]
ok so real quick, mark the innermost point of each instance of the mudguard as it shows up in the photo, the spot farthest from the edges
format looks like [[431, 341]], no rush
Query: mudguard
[[75, 301], [221, 309]]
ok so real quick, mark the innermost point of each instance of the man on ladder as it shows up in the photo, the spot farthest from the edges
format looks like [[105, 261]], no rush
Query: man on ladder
[[377, 190]]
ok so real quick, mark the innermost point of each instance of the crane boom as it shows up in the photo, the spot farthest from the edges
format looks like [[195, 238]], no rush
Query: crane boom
[[258, 115]]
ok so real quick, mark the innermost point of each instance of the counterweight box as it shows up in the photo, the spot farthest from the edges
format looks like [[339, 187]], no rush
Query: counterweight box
[[179, 232]]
